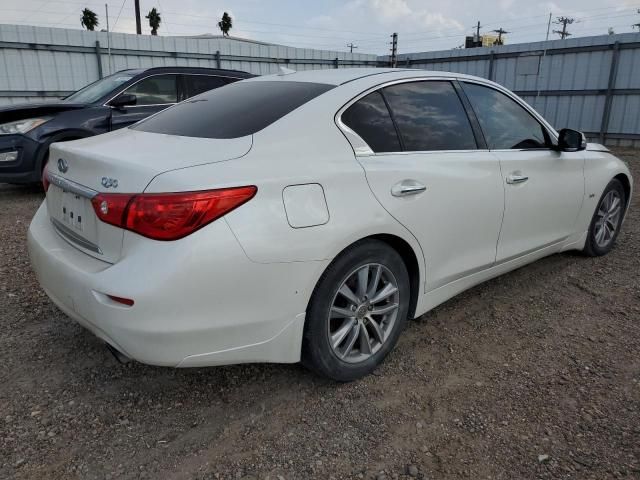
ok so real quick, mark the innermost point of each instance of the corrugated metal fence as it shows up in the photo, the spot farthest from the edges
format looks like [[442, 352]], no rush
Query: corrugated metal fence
[[590, 84], [37, 63]]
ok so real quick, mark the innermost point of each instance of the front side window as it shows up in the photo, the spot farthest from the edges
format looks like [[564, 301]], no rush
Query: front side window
[[95, 91], [369, 118], [155, 90], [239, 109], [430, 116], [505, 124], [197, 84]]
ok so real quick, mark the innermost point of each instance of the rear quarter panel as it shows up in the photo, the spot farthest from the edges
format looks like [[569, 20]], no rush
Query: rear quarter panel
[[304, 147]]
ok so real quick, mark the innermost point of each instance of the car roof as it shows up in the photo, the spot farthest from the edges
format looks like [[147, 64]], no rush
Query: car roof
[[340, 76], [200, 70]]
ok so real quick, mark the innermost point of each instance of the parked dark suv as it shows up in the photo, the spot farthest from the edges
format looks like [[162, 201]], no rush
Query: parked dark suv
[[116, 101]]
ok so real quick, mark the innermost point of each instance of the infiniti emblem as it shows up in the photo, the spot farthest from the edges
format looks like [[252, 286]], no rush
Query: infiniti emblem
[[63, 166]]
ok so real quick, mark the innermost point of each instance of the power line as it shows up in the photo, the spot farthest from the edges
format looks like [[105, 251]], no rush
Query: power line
[[119, 12], [374, 41]]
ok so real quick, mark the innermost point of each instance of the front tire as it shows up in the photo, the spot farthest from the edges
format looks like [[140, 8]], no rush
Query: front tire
[[607, 220], [357, 312]]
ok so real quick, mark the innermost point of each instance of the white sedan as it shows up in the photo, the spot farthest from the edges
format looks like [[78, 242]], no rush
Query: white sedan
[[306, 216]]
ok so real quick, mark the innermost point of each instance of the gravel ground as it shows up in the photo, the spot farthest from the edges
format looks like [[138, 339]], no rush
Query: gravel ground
[[532, 375]]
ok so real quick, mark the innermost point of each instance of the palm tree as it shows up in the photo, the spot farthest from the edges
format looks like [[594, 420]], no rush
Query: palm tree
[[89, 19], [225, 24], [154, 21]]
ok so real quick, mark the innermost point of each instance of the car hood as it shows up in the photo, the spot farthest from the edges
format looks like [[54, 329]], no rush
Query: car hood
[[10, 113]]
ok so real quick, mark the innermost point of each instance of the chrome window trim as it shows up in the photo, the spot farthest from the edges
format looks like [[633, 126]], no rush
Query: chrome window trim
[[71, 186], [539, 118], [362, 149], [426, 152], [106, 104]]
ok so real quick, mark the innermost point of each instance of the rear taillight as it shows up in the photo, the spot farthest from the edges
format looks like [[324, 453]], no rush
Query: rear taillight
[[169, 216]]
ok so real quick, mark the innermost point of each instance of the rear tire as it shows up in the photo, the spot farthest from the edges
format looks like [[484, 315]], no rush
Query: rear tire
[[607, 220], [357, 312]]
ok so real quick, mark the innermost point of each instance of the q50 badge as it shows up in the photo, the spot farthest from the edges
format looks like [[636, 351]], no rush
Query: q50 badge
[[108, 182]]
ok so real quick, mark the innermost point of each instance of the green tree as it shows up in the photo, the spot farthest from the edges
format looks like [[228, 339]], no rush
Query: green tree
[[154, 20], [89, 19], [225, 24]]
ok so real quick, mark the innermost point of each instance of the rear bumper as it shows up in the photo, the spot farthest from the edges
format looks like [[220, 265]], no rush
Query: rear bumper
[[195, 305], [26, 168]]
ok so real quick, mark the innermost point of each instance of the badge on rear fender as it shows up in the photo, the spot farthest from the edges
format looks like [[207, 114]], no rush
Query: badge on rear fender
[[108, 182]]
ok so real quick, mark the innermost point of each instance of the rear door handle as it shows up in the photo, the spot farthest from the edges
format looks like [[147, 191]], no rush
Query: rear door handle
[[514, 179], [407, 187]]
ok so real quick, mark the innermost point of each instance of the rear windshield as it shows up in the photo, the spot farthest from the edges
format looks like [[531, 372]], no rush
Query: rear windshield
[[236, 110]]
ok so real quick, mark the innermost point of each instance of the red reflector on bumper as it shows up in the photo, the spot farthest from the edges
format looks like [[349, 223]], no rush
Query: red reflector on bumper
[[125, 301]]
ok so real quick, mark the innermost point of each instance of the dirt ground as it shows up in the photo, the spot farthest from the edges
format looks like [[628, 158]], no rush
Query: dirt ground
[[532, 375]]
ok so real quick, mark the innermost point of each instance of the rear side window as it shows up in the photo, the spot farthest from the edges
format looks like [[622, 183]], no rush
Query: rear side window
[[239, 109], [369, 118], [505, 124], [155, 90], [197, 84], [430, 116]]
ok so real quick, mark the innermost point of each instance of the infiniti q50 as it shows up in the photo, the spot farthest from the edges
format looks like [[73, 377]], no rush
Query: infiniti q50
[[307, 216]]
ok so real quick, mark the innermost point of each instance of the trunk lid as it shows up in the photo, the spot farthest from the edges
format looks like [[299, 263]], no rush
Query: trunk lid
[[124, 161]]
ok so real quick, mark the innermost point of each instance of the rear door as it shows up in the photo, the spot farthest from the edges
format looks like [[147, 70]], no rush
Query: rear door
[[426, 169], [544, 188], [153, 93]]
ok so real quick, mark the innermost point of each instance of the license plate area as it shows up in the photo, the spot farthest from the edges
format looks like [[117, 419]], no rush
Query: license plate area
[[74, 211], [73, 217]]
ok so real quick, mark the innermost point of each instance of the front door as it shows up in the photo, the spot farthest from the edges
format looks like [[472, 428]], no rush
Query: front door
[[427, 172], [544, 188]]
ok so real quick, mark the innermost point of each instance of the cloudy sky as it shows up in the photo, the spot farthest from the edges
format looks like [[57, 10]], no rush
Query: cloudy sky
[[332, 24]]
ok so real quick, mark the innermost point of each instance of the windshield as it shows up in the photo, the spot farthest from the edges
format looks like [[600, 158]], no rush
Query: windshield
[[239, 109], [96, 90]]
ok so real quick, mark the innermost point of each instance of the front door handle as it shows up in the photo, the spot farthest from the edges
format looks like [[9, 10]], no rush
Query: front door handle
[[407, 187], [515, 178]]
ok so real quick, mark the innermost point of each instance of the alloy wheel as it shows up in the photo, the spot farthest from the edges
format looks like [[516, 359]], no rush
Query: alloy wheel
[[607, 218], [363, 313]]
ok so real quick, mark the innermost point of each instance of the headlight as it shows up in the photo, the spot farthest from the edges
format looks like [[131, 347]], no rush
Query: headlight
[[22, 126]]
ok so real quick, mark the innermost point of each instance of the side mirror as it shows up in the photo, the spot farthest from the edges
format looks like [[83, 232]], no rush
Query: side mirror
[[123, 100], [571, 140]]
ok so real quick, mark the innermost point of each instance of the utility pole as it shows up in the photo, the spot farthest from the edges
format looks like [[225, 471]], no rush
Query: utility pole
[[549, 25], [106, 11], [394, 50], [138, 24], [564, 21], [636, 25], [500, 32], [351, 46]]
